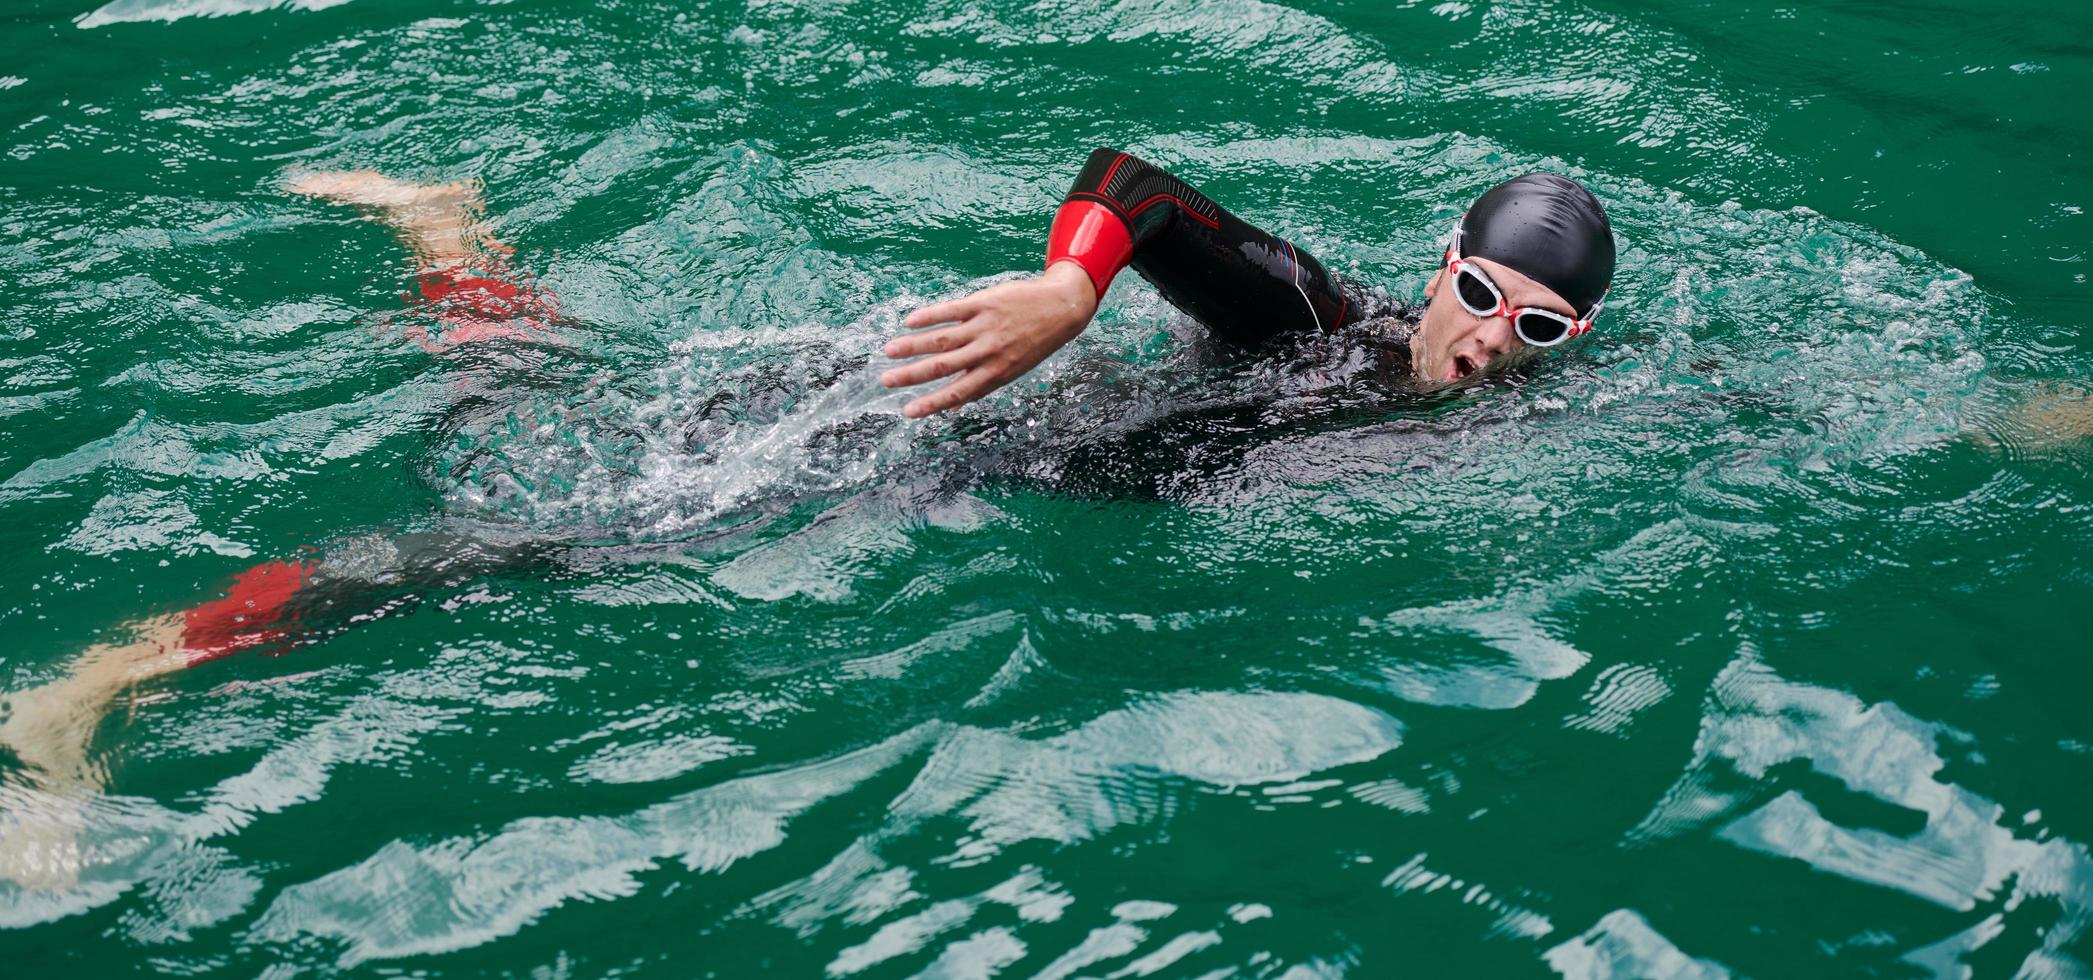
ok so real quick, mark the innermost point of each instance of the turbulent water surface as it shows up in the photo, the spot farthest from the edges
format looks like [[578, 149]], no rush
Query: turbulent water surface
[[1746, 637]]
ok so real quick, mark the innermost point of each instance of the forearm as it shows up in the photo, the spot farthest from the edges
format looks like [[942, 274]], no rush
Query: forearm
[[1240, 281]]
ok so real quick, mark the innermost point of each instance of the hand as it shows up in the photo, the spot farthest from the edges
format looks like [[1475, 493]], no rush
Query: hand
[[992, 337]]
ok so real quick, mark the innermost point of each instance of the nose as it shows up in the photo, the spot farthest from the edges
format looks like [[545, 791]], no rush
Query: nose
[[1497, 336]]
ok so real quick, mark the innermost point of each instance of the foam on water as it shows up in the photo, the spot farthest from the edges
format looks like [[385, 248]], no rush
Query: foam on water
[[134, 11]]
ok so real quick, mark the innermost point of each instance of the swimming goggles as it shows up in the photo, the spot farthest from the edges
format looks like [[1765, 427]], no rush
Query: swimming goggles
[[1479, 295]]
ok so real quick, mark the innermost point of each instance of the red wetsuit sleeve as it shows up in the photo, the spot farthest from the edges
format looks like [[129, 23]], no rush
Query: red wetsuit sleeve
[[1090, 235], [251, 613]]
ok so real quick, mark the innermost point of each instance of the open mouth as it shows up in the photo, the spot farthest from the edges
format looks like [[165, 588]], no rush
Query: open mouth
[[1462, 367]]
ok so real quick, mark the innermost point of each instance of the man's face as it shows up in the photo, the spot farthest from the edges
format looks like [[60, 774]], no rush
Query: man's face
[[1453, 343]]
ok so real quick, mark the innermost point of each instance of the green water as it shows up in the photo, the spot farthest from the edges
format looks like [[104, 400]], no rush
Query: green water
[[1716, 643]]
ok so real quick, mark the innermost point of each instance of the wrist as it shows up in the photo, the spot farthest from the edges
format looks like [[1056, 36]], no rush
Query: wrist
[[1069, 277], [1076, 292]]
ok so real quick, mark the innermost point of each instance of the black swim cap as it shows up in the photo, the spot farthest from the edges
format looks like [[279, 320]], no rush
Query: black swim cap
[[1549, 228]]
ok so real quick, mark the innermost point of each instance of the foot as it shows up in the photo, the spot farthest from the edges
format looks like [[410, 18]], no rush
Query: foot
[[373, 189], [441, 222], [43, 806], [48, 728]]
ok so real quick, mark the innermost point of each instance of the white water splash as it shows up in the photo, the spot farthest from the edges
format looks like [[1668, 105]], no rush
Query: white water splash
[[135, 11]]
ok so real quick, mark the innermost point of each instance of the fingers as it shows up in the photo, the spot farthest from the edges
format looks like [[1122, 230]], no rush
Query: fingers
[[929, 342], [961, 390], [931, 368], [949, 312]]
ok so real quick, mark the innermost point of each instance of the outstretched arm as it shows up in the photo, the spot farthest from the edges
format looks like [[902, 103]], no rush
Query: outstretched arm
[[1243, 283]]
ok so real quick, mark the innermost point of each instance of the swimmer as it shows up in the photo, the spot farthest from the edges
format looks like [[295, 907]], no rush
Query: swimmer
[[1527, 266]]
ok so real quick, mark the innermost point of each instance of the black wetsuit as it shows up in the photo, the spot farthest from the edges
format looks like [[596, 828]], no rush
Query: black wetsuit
[[1245, 284]]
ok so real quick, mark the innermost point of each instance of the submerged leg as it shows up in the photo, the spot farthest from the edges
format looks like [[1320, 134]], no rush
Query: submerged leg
[[465, 280], [49, 729]]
